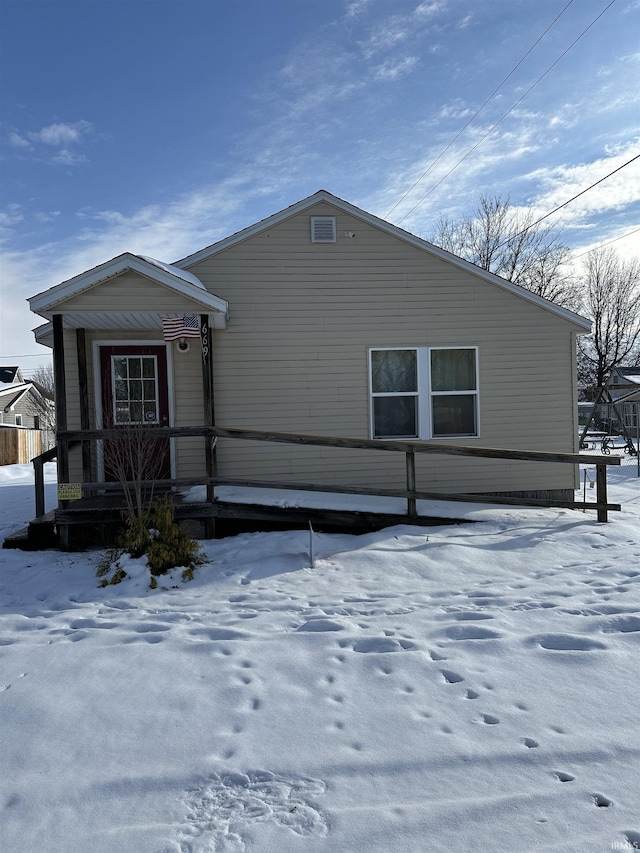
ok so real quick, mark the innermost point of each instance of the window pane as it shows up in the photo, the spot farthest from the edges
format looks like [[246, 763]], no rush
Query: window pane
[[454, 414], [149, 367], [136, 412], [393, 371], [395, 417], [135, 368], [150, 414], [121, 389], [135, 389], [149, 389], [120, 367], [122, 413], [453, 370]]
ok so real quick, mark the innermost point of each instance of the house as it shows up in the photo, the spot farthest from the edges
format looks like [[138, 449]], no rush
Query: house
[[617, 409], [320, 320], [25, 416]]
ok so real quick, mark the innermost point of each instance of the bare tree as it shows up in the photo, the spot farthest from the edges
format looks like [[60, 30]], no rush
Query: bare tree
[[610, 297], [41, 406], [510, 244], [135, 457]]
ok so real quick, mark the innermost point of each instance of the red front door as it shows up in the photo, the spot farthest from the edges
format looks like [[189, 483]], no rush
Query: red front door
[[135, 399]]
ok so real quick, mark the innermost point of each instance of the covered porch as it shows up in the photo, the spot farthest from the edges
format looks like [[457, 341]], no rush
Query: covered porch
[[132, 353]]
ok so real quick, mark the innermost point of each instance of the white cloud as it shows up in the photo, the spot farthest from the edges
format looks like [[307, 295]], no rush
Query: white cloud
[[429, 8], [61, 133], [394, 69], [64, 157], [18, 141], [356, 8], [46, 216], [561, 183]]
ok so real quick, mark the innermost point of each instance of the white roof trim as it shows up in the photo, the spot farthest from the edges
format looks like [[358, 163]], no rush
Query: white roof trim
[[184, 283], [394, 230]]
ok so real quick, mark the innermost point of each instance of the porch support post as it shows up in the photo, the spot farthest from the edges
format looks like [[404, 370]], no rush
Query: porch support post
[[60, 385], [601, 492], [411, 483], [209, 415], [84, 403]]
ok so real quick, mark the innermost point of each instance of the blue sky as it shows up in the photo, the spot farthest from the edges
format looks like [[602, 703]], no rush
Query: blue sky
[[161, 127]]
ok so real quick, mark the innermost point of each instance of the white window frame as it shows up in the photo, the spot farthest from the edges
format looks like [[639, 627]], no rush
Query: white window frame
[[323, 221], [18, 420], [425, 394]]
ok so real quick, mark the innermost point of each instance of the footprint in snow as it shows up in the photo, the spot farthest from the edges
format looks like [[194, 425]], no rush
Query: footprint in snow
[[564, 777], [380, 645], [451, 677], [471, 632], [223, 809], [565, 643]]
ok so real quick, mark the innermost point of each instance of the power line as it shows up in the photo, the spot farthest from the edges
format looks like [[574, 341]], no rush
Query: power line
[[564, 204], [478, 111], [27, 355], [602, 245], [501, 119]]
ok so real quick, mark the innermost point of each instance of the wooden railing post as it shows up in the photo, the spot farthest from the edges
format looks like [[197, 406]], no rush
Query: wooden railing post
[[38, 474], [601, 492], [411, 483]]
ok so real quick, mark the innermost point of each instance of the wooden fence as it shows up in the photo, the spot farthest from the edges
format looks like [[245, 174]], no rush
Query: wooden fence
[[19, 445]]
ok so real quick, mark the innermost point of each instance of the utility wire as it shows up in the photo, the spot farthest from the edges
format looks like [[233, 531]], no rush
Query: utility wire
[[478, 111], [602, 245], [564, 204], [501, 119]]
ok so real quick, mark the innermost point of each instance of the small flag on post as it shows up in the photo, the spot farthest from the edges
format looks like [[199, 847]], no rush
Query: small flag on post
[[175, 328]]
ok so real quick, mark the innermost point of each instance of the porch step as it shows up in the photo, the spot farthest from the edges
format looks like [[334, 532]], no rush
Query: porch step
[[38, 535]]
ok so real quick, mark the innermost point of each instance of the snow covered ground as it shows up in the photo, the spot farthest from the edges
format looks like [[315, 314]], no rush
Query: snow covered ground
[[467, 688]]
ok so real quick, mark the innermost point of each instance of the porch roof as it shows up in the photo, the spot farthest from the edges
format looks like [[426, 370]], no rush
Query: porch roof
[[194, 298]]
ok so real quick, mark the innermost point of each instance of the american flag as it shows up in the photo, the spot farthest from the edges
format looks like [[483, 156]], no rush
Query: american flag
[[181, 327]]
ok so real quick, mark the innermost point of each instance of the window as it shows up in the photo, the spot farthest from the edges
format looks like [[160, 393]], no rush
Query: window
[[323, 229], [18, 420], [453, 392], [424, 392], [135, 389], [394, 391]]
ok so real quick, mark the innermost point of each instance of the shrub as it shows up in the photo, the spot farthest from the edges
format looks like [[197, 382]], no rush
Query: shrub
[[156, 535]]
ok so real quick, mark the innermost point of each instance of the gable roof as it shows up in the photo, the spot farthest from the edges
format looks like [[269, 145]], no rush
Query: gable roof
[[387, 227], [180, 281], [12, 392], [10, 374], [631, 374]]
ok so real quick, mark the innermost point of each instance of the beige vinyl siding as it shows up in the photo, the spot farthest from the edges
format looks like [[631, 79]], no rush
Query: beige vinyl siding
[[295, 356], [128, 291]]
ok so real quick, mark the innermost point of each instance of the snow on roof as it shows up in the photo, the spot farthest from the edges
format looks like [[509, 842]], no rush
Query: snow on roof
[[172, 270]]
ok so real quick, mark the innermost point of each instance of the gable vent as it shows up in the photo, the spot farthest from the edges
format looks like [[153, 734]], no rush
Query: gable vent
[[323, 229]]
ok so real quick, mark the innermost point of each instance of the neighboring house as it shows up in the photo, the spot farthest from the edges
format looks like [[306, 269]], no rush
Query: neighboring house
[[25, 413], [324, 320], [22, 403], [623, 387]]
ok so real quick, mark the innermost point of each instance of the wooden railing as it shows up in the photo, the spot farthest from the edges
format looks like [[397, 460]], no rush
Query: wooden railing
[[408, 448]]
